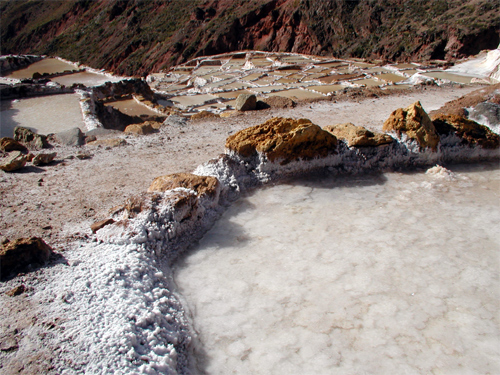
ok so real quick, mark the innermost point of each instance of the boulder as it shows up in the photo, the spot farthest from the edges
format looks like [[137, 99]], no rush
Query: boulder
[[9, 144], [14, 161], [280, 102], [70, 137], [358, 136], [17, 255], [283, 139], [140, 129], [203, 185], [246, 102], [100, 132], [43, 158], [101, 224], [415, 123], [111, 142], [175, 120], [30, 139], [469, 131], [204, 115]]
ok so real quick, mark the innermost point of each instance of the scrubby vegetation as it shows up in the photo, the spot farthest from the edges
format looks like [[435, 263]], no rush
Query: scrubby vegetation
[[133, 37]]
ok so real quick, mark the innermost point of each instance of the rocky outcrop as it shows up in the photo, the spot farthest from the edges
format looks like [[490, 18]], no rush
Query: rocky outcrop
[[139, 129], [9, 144], [469, 131], [415, 123], [30, 139], [246, 102], [357, 136], [18, 255], [202, 185], [284, 140], [44, 158], [14, 161]]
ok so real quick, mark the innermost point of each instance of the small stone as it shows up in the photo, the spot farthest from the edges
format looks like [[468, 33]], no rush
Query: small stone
[[204, 115], [245, 102], [17, 255], [83, 156], [111, 142], [15, 160], [43, 158], [20, 289], [140, 129], [9, 144], [101, 224]]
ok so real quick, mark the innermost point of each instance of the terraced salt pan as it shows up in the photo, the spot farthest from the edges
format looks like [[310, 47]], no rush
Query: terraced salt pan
[[232, 94], [43, 114], [368, 82], [193, 100], [326, 89], [49, 66], [391, 77], [297, 93], [384, 274], [88, 79], [449, 76], [131, 107]]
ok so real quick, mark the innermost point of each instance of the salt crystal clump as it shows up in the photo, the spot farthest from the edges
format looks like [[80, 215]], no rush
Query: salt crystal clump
[[441, 172]]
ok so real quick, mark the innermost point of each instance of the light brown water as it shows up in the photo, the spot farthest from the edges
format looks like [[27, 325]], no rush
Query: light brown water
[[49, 66]]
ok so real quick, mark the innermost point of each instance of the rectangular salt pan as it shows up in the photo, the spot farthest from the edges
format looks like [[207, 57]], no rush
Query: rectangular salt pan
[[49, 66]]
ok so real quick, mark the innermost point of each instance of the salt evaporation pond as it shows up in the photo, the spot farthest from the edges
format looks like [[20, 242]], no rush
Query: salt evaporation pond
[[88, 79], [49, 66], [42, 114], [395, 273]]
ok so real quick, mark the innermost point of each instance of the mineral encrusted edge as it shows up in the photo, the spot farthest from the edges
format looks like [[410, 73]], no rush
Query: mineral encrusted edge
[[156, 233]]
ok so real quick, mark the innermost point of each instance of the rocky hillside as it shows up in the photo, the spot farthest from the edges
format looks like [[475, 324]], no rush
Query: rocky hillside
[[134, 37]]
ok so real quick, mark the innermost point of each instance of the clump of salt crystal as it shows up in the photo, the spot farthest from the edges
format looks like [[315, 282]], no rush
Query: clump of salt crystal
[[441, 172]]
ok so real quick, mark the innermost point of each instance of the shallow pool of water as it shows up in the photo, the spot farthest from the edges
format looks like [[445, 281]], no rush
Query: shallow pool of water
[[88, 79], [386, 274], [44, 114], [131, 107], [49, 66]]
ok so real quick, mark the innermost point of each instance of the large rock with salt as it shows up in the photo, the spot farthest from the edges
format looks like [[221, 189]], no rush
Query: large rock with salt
[[246, 102], [415, 123], [203, 185], [14, 161], [284, 140], [9, 144], [16, 256], [469, 131], [30, 139], [358, 136]]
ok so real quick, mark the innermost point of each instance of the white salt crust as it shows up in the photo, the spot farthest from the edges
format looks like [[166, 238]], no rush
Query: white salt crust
[[119, 288]]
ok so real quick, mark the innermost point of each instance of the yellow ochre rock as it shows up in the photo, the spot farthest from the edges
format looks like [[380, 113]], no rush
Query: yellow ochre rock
[[358, 136], [283, 139], [203, 185], [415, 123]]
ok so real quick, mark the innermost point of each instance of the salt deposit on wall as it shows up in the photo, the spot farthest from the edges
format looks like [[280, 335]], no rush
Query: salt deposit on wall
[[486, 65]]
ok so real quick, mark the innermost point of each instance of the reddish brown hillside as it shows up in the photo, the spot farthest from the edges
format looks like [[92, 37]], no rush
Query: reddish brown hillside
[[134, 37]]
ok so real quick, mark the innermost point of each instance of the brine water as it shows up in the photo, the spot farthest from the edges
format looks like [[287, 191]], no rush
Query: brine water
[[394, 273]]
